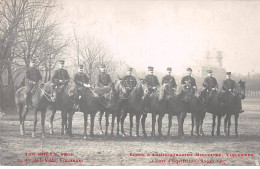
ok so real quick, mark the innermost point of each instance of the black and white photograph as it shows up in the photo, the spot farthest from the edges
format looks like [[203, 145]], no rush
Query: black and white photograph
[[129, 83]]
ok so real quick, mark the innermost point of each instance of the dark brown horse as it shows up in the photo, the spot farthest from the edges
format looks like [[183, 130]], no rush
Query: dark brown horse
[[134, 105], [113, 105], [215, 107], [42, 97], [159, 103], [232, 102], [65, 103]]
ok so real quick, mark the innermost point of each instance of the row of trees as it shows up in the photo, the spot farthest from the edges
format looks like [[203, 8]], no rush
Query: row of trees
[[29, 29]]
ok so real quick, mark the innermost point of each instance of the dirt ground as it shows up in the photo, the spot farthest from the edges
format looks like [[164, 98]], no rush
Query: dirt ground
[[102, 150]]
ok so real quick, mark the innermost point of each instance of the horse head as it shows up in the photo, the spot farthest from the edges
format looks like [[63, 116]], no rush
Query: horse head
[[166, 92], [120, 88], [143, 87], [50, 91], [240, 89]]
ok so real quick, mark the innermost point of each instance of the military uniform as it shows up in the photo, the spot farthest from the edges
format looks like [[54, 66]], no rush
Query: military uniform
[[103, 79], [80, 78], [152, 81], [188, 79], [33, 76], [60, 74], [210, 82], [228, 84], [169, 79], [130, 81]]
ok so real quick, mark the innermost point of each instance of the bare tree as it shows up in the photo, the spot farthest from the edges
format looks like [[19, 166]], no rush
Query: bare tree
[[93, 53]]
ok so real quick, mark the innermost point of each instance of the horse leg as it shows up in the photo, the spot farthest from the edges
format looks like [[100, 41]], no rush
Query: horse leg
[[169, 124], [26, 109], [122, 124], [131, 124], [19, 111], [85, 124], [192, 123], [236, 123], [160, 124], [99, 121], [63, 122], [117, 121], [213, 124], [153, 124], [229, 124], [92, 124], [70, 123], [182, 122], [179, 123], [51, 120], [225, 125], [138, 117], [143, 124], [43, 114], [201, 123], [219, 124], [113, 123], [34, 123], [107, 122]]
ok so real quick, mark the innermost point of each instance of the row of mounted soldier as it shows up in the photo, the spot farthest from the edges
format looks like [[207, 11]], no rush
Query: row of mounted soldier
[[126, 95], [61, 77]]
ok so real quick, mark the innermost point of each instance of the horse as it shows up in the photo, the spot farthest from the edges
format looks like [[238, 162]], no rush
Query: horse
[[42, 97], [159, 102], [215, 107], [112, 105], [65, 103], [232, 101], [134, 105]]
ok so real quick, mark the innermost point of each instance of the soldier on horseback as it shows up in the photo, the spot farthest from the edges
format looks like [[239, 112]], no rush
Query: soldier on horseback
[[153, 84], [103, 78], [130, 81], [33, 78], [188, 82], [210, 85], [81, 80], [169, 79], [61, 76], [228, 86]]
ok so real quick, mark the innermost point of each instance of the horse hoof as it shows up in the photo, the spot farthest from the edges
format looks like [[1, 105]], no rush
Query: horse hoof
[[123, 135], [101, 133], [112, 134], [51, 132], [33, 134]]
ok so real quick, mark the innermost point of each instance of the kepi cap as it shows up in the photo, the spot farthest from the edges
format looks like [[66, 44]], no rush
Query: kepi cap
[[169, 69], [228, 73], [189, 69]]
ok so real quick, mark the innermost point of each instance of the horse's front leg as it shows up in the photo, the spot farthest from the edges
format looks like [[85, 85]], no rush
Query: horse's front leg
[[113, 123], [35, 111], [143, 124], [92, 124], [153, 124], [43, 114], [63, 122], [85, 124], [71, 113], [51, 120], [236, 123], [99, 121], [219, 124], [122, 119], [160, 124], [138, 117], [25, 111], [107, 122], [192, 123], [169, 124], [213, 124], [131, 124], [182, 122]]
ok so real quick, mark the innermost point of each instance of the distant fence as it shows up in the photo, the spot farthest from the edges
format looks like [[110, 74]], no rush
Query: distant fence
[[252, 93]]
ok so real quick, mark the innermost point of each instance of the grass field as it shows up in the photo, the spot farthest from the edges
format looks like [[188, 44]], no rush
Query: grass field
[[107, 150]]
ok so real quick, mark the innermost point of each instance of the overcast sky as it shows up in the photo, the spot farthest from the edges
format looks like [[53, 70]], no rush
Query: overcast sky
[[171, 33]]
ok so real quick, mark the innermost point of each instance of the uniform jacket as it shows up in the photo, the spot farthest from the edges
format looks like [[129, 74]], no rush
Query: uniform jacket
[[60, 74], [152, 81], [210, 82], [169, 79], [130, 81], [229, 84], [80, 78], [103, 79], [188, 79]]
